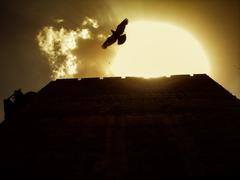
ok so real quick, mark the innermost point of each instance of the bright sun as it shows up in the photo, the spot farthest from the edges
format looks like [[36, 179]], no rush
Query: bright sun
[[157, 49]]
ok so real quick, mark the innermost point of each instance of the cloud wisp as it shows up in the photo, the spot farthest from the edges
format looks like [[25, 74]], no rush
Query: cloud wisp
[[60, 44]]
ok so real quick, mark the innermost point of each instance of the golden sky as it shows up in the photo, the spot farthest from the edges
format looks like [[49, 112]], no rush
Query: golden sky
[[215, 24]]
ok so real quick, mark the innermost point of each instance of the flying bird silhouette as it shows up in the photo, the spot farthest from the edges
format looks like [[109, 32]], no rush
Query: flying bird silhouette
[[117, 35]]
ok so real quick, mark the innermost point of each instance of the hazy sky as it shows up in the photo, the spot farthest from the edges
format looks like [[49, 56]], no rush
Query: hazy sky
[[215, 23]]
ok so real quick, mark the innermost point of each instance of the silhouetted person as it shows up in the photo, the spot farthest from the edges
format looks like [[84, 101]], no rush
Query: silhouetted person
[[117, 35], [11, 103], [18, 96]]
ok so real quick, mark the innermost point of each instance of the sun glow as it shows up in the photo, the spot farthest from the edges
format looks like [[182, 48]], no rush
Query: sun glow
[[157, 49]]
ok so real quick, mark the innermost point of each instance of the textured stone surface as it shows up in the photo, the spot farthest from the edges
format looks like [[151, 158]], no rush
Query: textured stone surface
[[114, 128]]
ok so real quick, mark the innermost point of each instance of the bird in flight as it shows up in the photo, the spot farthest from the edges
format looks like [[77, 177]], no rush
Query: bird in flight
[[117, 35]]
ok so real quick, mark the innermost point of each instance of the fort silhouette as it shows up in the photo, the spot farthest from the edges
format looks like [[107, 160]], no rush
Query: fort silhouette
[[115, 128]]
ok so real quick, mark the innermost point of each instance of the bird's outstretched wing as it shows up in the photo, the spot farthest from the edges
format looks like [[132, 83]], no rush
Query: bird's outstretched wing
[[122, 39], [121, 27], [110, 40], [117, 35]]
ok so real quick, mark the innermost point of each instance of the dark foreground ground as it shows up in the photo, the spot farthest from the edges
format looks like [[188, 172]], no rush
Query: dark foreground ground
[[123, 128]]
